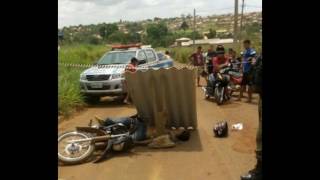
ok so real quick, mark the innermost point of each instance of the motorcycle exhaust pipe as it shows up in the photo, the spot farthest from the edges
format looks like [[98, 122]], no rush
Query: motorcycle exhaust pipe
[[98, 138]]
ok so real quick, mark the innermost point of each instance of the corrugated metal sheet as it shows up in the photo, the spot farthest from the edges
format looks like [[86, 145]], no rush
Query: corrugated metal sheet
[[168, 91]]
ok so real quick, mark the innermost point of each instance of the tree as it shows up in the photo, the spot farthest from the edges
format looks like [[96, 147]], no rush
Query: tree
[[118, 37], [157, 34], [102, 31], [134, 27], [93, 40], [111, 28], [105, 30], [212, 33], [184, 25]]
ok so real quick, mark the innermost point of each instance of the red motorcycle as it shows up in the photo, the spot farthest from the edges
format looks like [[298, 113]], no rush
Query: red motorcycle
[[235, 81]]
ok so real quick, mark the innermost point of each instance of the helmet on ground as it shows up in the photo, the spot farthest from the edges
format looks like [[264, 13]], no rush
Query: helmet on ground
[[221, 129]]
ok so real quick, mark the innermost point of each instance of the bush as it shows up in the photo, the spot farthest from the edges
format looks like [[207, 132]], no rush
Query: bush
[[181, 54]]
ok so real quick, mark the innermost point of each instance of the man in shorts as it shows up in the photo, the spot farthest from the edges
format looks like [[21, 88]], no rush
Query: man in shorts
[[197, 60], [248, 58]]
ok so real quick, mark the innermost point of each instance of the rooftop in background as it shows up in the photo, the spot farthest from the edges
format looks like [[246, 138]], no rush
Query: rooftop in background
[[203, 41]]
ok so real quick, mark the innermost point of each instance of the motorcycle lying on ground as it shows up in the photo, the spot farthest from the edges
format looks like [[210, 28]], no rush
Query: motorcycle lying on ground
[[222, 84], [77, 146]]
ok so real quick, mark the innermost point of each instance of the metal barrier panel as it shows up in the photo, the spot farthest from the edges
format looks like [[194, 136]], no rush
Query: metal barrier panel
[[170, 92]]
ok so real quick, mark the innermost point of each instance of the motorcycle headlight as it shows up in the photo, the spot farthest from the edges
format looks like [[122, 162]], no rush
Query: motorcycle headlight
[[83, 77], [117, 76]]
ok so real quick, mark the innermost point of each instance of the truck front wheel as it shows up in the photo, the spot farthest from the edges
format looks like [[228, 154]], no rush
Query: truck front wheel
[[90, 99]]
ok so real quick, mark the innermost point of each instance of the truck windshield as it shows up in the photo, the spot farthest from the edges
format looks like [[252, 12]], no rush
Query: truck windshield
[[117, 58]]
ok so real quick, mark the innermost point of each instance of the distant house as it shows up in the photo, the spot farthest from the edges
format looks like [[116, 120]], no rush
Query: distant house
[[183, 41], [223, 33], [189, 42]]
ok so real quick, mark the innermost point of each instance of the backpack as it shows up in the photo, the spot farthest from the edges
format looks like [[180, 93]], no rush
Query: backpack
[[221, 129]]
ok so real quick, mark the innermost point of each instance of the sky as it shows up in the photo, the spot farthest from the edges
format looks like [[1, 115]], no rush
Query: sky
[[75, 12]]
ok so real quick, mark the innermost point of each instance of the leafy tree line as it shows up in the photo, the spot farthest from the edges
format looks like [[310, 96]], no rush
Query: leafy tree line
[[156, 34]]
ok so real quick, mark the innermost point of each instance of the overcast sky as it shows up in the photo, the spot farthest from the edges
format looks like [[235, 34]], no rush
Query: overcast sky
[[75, 12]]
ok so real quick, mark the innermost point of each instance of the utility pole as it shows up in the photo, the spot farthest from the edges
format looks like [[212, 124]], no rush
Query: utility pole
[[194, 27], [235, 25], [241, 20]]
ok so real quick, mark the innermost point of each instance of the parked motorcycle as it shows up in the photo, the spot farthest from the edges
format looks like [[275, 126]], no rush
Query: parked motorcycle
[[222, 84], [222, 89], [235, 81], [77, 146]]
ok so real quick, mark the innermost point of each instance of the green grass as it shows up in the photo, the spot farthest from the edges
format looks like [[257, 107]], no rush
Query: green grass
[[69, 96], [81, 53]]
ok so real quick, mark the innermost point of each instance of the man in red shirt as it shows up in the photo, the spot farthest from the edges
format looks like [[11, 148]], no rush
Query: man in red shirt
[[197, 60], [220, 60], [131, 67]]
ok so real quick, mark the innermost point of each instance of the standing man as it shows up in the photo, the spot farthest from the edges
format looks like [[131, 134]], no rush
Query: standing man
[[248, 57], [198, 61], [256, 173]]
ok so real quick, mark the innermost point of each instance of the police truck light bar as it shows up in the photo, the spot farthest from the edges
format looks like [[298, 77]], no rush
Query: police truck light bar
[[127, 46]]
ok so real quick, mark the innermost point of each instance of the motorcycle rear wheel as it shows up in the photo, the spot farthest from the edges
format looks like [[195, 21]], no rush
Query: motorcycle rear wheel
[[74, 153]]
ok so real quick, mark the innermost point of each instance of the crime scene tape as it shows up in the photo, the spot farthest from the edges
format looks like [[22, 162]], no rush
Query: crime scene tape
[[80, 66]]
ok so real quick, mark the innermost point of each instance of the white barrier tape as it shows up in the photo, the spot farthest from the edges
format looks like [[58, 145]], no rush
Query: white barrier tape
[[179, 66]]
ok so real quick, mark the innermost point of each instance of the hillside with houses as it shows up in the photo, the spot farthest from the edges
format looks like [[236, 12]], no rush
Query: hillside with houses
[[207, 27]]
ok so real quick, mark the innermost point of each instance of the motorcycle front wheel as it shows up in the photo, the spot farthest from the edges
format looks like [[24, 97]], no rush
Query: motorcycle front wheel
[[219, 93], [74, 153]]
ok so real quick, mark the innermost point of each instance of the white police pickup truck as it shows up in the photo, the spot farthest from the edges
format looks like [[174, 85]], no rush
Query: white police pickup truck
[[106, 77]]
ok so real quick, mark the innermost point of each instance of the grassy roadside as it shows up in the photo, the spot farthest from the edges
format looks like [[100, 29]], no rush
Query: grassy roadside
[[69, 97]]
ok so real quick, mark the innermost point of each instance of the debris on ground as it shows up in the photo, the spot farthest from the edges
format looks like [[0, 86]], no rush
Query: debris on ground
[[238, 126]]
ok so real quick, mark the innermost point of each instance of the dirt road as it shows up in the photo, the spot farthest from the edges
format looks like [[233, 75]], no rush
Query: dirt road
[[202, 157]]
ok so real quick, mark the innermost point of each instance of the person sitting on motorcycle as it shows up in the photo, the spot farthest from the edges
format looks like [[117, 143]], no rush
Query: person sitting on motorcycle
[[211, 54], [235, 62], [220, 60]]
